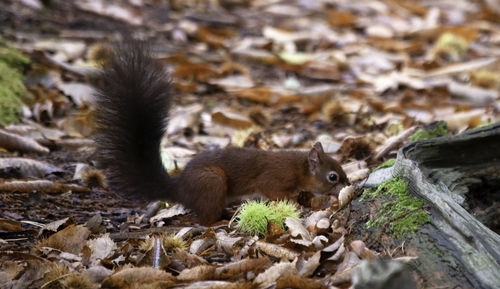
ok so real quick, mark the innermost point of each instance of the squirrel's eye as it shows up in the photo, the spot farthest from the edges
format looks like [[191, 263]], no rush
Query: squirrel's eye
[[333, 177]]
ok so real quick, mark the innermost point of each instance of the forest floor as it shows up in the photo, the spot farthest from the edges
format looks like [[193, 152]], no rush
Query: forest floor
[[359, 76]]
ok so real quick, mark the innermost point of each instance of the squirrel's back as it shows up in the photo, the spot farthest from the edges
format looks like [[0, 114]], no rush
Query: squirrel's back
[[132, 106]]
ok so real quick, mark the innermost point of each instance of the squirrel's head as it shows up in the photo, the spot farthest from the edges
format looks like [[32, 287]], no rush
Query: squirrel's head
[[326, 174]]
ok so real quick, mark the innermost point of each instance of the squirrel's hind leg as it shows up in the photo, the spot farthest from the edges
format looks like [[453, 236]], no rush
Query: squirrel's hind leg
[[207, 195]]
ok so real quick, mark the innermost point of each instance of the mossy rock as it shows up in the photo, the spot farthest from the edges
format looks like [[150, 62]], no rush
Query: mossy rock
[[12, 88], [432, 130], [404, 212], [12, 80], [10, 106], [12, 57], [388, 163]]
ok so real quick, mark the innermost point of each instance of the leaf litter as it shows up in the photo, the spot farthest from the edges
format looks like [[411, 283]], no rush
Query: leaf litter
[[365, 74]]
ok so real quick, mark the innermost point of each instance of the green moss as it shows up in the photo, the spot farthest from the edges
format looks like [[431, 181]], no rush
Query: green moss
[[386, 164], [254, 215], [406, 212], [10, 106], [12, 57], [432, 130], [12, 80], [12, 88], [486, 124]]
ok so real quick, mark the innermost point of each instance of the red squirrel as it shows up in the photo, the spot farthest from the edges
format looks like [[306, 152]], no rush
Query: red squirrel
[[132, 107]]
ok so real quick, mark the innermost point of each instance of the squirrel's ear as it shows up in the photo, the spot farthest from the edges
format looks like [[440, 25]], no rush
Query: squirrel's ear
[[319, 147], [313, 159]]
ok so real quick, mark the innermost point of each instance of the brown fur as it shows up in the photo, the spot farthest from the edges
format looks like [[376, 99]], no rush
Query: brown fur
[[133, 105], [216, 175]]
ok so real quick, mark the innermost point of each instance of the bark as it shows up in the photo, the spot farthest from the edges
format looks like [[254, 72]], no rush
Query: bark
[[450, 172]]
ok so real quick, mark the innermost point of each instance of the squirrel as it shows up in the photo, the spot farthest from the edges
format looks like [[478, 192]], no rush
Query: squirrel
[[132, 104]]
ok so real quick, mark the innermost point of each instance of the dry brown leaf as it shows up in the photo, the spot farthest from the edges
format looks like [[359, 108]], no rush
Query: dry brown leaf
[[218, 285], [19, 143], [350, 260], [230, 68], [242, 266], [397, 45], [474, 95], [202, 272], [276, 250], [61, 256], [10, 225], [186, 117], [313, 219], [346, 194], [118, 12], [215, 36], [200, 72], [273, 232], [319, 241], [187, 259], [30, 276], [233, 120], [248, 248], [333, 247], [101, 248], [320, 71], [42, 186], [259, 55], [233, 83], [206, 240], [341, 277], [56, 225], [168, 213], [394, 142], [226, 242], [313, 103], [283, 36], [26, 168], [97, 273], [405, 259], [301, 242], [379, 30], [462, 120], [139, 278], [266, 278], [361, 250], [82, 94], [310, 265], [340, 112], [358, 148], [340, 18], [460, 67], [299, 282], [358, 175], [339, 254], [322, 225], [261, 94], [71, 239], [297, 229]]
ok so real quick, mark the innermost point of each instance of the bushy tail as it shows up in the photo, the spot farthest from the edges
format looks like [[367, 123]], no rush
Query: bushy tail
[[133, 100]]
